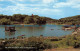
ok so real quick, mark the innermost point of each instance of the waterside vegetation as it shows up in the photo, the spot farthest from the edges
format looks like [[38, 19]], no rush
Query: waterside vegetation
[[35, 19], [40, 43], [22, 19]]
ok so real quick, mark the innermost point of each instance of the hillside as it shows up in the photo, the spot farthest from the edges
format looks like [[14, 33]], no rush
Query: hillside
[[23, 19], [70, 20], [35, 19]]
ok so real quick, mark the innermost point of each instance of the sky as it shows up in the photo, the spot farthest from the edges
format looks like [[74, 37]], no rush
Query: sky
[[55, 9]]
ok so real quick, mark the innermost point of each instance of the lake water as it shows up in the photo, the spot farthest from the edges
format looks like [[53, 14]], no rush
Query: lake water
[[34, 30]]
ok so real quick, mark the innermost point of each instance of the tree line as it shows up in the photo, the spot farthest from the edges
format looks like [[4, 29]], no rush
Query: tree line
[[22, 19], [73, 20], [35, 19]]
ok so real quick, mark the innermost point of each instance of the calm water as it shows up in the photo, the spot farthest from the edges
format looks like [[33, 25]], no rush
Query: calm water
[[34, 30]]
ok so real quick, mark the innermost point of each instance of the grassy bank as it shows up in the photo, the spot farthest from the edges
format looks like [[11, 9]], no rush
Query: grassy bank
[[42, 43]]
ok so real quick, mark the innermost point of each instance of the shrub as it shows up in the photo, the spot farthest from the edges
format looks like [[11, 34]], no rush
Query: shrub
[[38, 43]]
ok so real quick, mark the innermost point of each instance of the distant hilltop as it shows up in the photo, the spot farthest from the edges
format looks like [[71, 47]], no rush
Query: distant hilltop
[[73, 20], [35, 19], [22, 19]]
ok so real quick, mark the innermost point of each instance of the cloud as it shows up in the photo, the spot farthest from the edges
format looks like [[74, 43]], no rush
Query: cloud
[[62, 4], [35, 5], [49, 1], [39, 3], [11, 0], [34, 0], [21, 0], [1, 0], [24, 9], [68, 3], [15, 0]]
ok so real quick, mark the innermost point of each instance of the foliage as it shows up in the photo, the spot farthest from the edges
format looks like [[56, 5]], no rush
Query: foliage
[[38, 43], [70, 20], [20, 19], [28, 20], [5, 21], [70, 40], [32, 42], [35, 19]]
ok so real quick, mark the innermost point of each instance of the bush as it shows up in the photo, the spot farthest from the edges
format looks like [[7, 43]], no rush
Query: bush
[[71, 40], [38, 43], [33, 43], [5, 21]]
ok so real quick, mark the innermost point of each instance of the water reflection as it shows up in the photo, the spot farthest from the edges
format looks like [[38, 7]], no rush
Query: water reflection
[[34, 30], [9, 34], [29, 31]]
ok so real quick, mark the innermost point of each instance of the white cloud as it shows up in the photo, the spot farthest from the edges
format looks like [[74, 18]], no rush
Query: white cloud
[[15, 0], [34, 5], [21, 0], [41, 2], [21, 8], [62, 4], [41, 8], [34, 0], [1, 0], [38, 5], [68, 3], [25, 6], [49, 1]]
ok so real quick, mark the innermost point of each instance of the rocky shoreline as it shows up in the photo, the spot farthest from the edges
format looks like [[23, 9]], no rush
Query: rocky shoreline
[[76, 32]]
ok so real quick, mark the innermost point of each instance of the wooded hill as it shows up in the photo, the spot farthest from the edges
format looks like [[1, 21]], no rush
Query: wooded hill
[[22, 19], [73, 20], [35, 19]]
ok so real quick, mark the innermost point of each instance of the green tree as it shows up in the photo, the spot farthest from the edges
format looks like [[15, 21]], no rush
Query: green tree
[[28, 20], [5, 21]]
